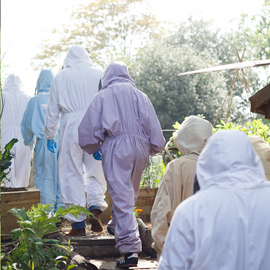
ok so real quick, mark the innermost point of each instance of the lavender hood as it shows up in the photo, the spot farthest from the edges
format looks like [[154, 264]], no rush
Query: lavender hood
[[120, 109], [116, 72]]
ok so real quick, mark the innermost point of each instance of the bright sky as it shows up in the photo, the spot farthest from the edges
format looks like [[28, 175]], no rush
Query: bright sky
[[26, 23]]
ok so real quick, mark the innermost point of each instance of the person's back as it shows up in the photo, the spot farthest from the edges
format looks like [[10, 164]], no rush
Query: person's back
[[14, 104], [72, 91], [177, 182], [225, 225], [123, 119], [76, 87], [32, 127], [71, 94]]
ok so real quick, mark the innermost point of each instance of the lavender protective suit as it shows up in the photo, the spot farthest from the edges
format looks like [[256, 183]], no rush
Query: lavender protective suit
[[121, 121]]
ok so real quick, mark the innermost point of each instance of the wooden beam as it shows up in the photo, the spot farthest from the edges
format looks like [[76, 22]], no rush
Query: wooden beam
[[229, 67]]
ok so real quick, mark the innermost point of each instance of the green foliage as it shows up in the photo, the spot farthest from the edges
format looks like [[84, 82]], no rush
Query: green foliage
[[35, 251], [106, 28], [256, 127], [257, 30], [5, 159], [65, 259], [152, 174], [218, 48], [173, 97]]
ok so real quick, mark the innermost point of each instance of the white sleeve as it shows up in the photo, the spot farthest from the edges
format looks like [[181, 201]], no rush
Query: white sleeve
[[179, 247], [52, 114]]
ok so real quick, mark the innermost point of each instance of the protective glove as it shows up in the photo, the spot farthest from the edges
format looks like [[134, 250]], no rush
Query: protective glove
[[97, 155], [51, 145]]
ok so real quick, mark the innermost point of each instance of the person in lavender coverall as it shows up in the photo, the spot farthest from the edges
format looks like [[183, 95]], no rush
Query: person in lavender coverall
[[122, 123]]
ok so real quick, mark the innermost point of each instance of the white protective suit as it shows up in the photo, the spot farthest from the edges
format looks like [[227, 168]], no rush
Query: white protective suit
[[177, 182], [71, 93], [262, 149], [14, 103], [226, 224]]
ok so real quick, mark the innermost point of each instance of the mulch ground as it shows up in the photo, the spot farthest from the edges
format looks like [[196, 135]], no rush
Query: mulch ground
[[5, 189], [65, 226]]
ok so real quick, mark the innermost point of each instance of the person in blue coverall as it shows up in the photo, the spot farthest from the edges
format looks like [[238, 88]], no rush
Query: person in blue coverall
[[46, 162]]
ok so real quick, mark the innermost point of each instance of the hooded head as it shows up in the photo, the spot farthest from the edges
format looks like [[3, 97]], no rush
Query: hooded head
[[116, 72], [13, 83], [262, 149], [192, 135], [44, 81], [75, 55], [228, 160]]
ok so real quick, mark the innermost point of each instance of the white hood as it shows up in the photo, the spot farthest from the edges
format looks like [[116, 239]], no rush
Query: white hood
[[13, 83], [75, 55], [192, 135], [228, 160]]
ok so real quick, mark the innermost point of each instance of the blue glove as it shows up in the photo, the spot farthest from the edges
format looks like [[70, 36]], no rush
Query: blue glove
[[97, 155], [51, 145]]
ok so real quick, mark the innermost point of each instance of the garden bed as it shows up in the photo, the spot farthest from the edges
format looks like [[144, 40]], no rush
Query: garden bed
[[144, 201], [17, 197]]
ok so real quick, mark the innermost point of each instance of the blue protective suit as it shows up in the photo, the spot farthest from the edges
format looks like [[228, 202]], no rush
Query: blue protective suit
[[46, 162]]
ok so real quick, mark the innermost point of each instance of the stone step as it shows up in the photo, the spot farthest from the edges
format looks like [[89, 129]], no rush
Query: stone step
[[95, 247], [111, 264], [104, 246]]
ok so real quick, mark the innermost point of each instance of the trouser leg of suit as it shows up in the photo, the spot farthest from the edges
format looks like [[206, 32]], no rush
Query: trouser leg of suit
[[95, 183], [59, 202], [44, 172], [123, 173], [71, 177], [46, 175]]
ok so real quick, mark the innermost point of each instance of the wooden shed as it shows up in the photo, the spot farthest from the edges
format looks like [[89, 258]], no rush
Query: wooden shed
[[260, 102]]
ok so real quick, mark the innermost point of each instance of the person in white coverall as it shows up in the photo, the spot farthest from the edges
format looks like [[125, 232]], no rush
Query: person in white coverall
[[14, 104], [71, 93], [177, 182], [226, 224]]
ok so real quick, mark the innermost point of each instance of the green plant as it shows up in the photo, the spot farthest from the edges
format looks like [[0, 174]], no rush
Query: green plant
[[256, 127], [33, 249], [65, 258], [152, 174], [5, 159]]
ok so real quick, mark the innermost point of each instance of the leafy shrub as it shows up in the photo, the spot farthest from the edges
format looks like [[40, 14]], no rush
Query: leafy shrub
[[5, 159], [256, 127], [152, 174], [34, 250]]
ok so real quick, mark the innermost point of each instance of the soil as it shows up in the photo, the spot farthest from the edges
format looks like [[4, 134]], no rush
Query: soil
[[65, 226], [10, 189]]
